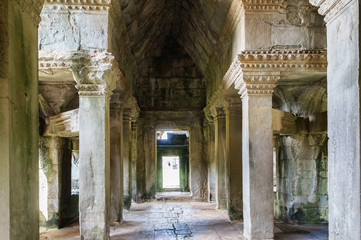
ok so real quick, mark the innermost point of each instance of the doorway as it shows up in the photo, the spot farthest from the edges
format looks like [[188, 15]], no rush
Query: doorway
[[172, 161], [171, 176]]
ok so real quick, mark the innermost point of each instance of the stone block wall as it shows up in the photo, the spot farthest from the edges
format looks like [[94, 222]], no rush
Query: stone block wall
[[302, 193], [171, 82]]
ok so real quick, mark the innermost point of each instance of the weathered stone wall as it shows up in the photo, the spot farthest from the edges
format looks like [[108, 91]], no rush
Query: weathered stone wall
[[65, 28], [19, 165], [302, 193], [172, 82]]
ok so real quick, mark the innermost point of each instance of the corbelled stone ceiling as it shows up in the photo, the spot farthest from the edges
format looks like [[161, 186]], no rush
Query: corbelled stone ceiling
[[194, 24]]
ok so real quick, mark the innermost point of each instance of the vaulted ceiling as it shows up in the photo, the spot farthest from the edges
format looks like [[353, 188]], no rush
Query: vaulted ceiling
[[195, 24]]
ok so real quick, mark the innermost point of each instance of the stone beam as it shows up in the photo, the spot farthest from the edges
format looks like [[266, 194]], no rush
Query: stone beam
[[65, 124]]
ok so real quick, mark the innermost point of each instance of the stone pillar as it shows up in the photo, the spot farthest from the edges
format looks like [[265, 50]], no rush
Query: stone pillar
[[343, 99], [134, 159], [149, 148], [197, 164], [234, 163], [54, 153], [257, 150], [221, 158], [211, 162], [94, 175], [19, 120], [126, 158], [116, 163]]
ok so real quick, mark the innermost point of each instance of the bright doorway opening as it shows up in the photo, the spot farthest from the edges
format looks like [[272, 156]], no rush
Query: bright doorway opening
[[171, 175]]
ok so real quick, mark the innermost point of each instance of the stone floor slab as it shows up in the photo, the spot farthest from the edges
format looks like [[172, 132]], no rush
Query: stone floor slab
[[188, 221]]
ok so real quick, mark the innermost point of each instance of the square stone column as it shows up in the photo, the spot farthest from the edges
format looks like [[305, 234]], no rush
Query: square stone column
[[211, 160], [221, 158], [19, 120], [116, 163], [54, 180], [126, 158], [256, 90], [234, 161], [133, 164], [343, 116], [94, 149]]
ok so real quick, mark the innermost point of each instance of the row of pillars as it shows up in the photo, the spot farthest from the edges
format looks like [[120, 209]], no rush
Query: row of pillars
[[243, 162]]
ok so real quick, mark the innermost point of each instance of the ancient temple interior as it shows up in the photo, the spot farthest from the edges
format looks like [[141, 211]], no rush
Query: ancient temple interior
[[180, 119]]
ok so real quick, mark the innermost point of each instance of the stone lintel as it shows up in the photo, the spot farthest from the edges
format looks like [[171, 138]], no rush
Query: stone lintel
[[65, 124], [331, 8], [263, 5]]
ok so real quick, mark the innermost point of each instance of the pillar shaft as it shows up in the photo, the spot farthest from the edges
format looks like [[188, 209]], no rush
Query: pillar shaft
[[126, 158], [94, 175], [212, 174], [257, 166], [116, 163], [343, 99], [234, 166], [55, 180], [19, 120], [221, 158], [134, 160]]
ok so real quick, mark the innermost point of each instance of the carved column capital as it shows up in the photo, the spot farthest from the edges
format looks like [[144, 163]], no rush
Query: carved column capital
[[95, 67], [220, 113], [257, 83], [127, 115], [93, 90]]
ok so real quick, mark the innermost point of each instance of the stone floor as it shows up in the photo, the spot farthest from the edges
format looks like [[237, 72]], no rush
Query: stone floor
[[184, 220]]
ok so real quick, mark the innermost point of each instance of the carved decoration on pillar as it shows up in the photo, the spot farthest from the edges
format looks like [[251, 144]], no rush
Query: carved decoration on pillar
[[220, 113], [96, 72], [330, 8], [256, 72], [257, 83], [77, 5], [263, 5]]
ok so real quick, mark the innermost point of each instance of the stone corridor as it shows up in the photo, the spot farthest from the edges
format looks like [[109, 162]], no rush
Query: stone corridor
[[184, 220]]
